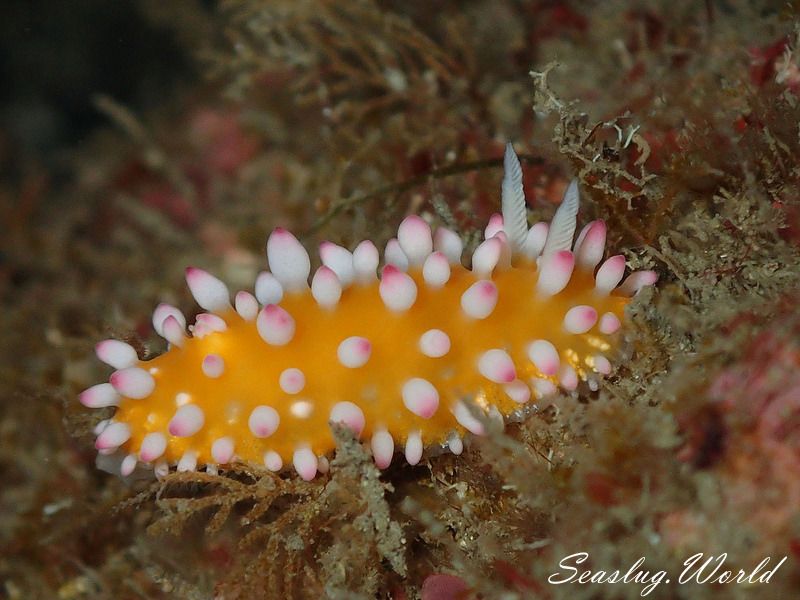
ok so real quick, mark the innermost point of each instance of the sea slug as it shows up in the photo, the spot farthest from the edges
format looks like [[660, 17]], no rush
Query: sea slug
[[394, 359]]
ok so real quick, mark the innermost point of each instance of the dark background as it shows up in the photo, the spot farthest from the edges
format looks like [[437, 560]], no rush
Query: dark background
[[55, 56]]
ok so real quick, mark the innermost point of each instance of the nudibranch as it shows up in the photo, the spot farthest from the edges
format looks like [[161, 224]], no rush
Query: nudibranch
[[403, 360]]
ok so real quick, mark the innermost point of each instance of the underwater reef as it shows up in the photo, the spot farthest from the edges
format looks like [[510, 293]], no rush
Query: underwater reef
[[679, 121]]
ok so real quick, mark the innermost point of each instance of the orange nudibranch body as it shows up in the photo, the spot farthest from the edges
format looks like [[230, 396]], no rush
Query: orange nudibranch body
[[252, 368], [404, 360]]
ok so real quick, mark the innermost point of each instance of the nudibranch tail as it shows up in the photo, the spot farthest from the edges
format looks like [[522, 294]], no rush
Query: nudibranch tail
[[402, 360]]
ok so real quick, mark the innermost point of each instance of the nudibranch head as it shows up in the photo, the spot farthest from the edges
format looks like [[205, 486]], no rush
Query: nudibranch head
[[397, 359]]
